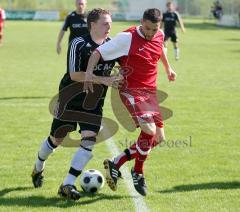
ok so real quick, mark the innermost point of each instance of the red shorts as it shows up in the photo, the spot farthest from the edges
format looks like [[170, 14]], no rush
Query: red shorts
[[143, 106]]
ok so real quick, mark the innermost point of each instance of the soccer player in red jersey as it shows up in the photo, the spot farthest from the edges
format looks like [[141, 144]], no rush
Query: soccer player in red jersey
[[139, 49], [2, 18]]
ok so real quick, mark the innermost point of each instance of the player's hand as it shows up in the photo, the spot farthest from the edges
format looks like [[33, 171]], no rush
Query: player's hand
[[171, 75], [116, 81], [59, 48], [88, 82]]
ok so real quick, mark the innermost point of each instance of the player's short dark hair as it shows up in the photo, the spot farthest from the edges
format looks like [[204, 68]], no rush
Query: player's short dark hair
[[169, 3], [94, 15], [153, 15]]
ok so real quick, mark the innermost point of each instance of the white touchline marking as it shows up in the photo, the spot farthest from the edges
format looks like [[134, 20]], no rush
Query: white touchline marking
[[140, 204]]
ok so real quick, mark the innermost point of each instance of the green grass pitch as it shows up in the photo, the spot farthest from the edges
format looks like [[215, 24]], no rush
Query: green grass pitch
[[199, 176]]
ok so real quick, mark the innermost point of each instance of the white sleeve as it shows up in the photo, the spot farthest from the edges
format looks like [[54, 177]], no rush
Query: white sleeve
[[117, 47], [4, 15]]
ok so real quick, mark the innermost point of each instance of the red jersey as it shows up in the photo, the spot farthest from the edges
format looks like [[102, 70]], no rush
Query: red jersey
[[138, 57], [2, 15], [140, 66]]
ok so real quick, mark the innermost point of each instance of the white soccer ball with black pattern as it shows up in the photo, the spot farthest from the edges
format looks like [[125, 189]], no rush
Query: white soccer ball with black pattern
[[91, 181]]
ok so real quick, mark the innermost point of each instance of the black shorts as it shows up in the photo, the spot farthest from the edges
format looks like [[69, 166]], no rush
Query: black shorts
[[74, 115], [172, 35]]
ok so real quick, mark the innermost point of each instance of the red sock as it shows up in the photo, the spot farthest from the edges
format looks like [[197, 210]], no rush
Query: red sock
[[139, 163], [144, 144], [127, 155]]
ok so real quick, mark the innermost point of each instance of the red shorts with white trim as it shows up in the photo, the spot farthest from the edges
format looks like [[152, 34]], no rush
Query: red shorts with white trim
[[143, 106]]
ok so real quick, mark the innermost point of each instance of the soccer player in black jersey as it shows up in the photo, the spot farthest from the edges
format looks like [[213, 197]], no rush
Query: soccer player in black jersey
[[170, 20], [76, 21], [74, 102]]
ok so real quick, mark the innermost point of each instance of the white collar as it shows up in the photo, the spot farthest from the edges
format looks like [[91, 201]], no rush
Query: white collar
[[139, 32]]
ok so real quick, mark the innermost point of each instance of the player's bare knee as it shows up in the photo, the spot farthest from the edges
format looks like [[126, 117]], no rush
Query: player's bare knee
[[88, 140], [149, 128], [56, 141], [88, 133]]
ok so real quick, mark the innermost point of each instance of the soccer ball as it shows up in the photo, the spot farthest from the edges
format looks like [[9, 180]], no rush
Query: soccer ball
[[91, 181]]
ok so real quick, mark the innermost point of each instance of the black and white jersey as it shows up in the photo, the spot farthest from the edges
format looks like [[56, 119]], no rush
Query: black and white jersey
[[79, 51], [170, 20], [77, 24]]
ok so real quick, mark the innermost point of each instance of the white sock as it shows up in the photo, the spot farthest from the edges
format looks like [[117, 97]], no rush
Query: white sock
[[69, 180], [45, 150], [177, 52], [79, 161]]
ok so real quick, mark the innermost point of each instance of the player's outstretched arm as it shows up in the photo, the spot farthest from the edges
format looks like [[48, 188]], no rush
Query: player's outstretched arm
[[169, 71], [113, 49], [59, 40], [92, 62], [113, 81], [181, 23]]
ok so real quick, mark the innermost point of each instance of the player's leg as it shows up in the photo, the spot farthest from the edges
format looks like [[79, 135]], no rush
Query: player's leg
[[160, 136], [127, 155], [143, 148], [138, 151], [149, 121], [112, 166], [131, 152], [79, 161], [174, 40], [58, 132], [176, 51], [166, 37], [143, 145], [82, 156]]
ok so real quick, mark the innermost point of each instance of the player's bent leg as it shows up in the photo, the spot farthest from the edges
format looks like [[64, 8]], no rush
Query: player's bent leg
[[127, 155], [79, 161], [112, 166], [138, 179], [81, 157], [143, 146], [59, 130], [47, 148]]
